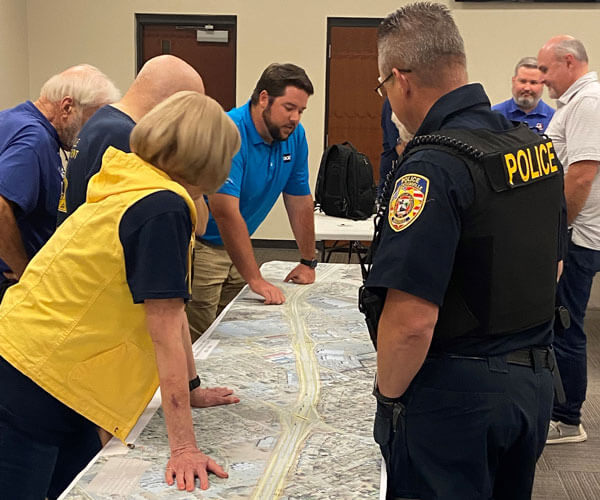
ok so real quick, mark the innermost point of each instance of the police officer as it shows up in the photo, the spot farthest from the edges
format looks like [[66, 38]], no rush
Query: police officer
[[465, 267]]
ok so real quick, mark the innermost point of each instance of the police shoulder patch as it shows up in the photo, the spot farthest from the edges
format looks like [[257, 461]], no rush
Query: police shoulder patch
[[407, 200]]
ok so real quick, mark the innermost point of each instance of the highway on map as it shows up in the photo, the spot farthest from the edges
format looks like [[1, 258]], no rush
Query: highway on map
[[297, 421]]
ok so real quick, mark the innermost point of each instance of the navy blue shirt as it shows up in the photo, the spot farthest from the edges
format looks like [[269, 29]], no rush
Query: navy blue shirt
[[155, 233], [390, 138], [107, 127], [537, 119], [416, 254], [30, 173]]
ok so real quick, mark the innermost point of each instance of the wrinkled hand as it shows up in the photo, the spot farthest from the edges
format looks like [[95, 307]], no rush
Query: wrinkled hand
[[185, 465], [212, 396], [271, 293], [301, 274]]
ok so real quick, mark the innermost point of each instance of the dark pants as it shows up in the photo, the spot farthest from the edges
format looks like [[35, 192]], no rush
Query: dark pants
[[43, 443], [466, 429], [5, 283], [573, 292], [31, 469]]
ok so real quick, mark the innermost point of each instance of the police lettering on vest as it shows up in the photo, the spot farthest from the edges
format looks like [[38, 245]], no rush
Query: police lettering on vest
[[529, 164], [512, 286]]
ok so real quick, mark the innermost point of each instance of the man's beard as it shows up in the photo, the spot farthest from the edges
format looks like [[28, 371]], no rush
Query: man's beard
[[68, 135], [526, 101], [274, 130]]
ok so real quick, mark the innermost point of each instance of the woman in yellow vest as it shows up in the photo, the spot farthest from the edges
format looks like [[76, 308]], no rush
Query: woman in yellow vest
[[97, 319]]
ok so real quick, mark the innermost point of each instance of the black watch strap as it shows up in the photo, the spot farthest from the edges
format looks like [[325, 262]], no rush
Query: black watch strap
[[310, 263], [195, 382]]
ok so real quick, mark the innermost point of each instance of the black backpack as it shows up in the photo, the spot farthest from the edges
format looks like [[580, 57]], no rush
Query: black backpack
[[345, 186]]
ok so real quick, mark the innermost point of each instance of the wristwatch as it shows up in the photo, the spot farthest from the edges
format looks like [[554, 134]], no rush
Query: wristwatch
[[194, 383], [310, 263]]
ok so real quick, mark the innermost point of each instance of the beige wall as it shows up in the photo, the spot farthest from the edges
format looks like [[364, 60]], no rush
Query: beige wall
[[14, 63], [102, 32]]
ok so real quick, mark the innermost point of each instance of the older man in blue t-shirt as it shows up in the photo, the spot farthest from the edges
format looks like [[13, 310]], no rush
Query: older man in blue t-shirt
[[273, 160], [526, 104], [31, 135]]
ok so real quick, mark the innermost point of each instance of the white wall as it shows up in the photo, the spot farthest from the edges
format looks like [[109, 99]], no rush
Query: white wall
[[14, 61], [39, 38], [102, 33]]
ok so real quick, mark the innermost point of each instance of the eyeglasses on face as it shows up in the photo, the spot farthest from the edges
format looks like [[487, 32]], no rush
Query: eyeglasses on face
[[380, 89]]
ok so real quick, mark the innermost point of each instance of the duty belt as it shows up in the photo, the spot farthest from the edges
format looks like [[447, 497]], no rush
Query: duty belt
[[532, 358]]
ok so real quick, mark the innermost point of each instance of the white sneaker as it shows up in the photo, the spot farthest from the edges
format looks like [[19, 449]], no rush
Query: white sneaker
[[559, 433]]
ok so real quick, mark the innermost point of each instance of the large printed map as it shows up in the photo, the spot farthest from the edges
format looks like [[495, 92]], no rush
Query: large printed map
[[303, 429]]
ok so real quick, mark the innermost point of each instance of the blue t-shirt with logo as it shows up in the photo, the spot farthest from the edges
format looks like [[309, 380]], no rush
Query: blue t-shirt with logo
[[537, 119], [30, 173], [260, 172]]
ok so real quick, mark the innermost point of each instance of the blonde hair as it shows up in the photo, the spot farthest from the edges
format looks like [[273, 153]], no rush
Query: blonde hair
[[190, 137]]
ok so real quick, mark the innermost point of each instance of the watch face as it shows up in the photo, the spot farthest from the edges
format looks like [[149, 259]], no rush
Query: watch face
[[310, 263]]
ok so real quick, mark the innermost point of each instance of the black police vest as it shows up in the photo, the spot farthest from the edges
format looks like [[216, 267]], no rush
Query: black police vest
[[504, 274]]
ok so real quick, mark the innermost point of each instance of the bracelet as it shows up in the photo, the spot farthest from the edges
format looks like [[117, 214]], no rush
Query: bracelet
[[195, 382]]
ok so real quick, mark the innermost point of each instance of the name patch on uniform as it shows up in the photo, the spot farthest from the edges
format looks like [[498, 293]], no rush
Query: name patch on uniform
[[287, 157], [407, 201], [530, 164]]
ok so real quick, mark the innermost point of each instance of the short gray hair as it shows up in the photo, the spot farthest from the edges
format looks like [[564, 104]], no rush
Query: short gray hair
[[419, 37], [86, 84], [526, 62], [571, 46]]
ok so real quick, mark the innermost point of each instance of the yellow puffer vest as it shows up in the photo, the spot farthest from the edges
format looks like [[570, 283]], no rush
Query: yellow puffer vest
[[70, 324]]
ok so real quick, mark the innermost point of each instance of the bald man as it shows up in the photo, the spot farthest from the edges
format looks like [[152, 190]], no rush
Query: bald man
[[31, 136], [159, 78], [575, 132]]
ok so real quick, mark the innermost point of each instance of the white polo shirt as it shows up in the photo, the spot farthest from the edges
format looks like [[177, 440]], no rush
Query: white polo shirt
[[575, 132]]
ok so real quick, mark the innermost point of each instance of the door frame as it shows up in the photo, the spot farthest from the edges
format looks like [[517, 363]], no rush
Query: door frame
[[189, 21], [334, 22]]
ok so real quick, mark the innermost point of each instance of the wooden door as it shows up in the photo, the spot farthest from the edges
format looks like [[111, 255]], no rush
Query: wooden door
[[177, 35], [353, 109]]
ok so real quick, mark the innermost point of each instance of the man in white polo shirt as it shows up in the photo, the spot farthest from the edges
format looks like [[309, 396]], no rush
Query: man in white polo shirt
[[575, 132]]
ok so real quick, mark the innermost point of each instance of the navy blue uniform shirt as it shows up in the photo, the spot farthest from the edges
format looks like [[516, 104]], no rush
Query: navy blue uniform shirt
[[419, 258]]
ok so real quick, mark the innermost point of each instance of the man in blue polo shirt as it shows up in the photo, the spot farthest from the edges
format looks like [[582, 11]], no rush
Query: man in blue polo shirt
[[273, 160], [526, 104], [31, 135]]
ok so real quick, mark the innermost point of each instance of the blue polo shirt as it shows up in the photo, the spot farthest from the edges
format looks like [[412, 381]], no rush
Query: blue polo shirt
[[419, 259], [260, 172], [30, 173], [538, 119]]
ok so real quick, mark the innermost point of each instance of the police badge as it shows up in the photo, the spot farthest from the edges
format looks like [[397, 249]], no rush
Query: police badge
[[407, 200]]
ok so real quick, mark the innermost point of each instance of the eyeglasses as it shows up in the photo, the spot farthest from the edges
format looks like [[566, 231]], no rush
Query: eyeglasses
[[379, 89]]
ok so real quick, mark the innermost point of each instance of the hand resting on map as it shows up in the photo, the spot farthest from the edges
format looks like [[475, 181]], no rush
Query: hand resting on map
[[187, 464], [212, 396]]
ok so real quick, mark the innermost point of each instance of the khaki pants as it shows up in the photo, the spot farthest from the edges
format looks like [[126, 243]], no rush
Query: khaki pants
[[216, 283]]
